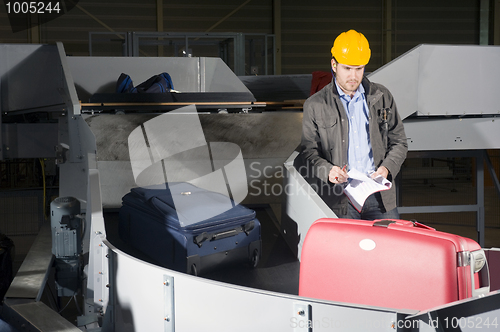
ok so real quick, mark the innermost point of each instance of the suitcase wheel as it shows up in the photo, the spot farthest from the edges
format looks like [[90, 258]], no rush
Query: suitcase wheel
[[193, 270], [254, 259]]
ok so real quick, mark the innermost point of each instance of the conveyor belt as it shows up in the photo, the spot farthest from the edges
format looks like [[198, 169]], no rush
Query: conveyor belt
[[277, 271], [166, 106], [170, 101]]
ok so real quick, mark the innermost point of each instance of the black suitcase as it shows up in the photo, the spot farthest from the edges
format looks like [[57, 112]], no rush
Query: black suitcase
[[187, 240]]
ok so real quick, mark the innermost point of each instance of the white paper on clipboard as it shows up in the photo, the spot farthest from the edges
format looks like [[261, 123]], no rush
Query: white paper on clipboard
[[361, 186]]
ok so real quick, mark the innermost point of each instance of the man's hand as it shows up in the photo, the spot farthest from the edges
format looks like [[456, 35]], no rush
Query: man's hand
[[338, 175], [382, 170]]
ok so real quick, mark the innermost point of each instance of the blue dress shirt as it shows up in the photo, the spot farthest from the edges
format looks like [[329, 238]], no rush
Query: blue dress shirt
[[360, 154]]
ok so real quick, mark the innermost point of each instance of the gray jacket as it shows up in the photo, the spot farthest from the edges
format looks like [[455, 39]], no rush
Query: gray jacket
[[325, 129]]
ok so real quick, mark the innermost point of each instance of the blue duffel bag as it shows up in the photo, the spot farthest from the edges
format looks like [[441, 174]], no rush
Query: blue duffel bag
[[160, 83]]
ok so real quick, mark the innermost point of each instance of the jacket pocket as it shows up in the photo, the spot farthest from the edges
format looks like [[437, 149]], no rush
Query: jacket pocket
[[327, 123], [328, 132]]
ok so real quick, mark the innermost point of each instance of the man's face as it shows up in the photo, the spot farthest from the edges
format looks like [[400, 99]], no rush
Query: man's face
[[348, 77]]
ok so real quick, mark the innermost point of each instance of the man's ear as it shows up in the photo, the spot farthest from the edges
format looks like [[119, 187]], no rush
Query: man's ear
[[334, 66]]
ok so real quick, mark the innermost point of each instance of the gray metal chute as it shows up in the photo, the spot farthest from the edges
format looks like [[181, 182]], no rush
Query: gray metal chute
[[443, 80]]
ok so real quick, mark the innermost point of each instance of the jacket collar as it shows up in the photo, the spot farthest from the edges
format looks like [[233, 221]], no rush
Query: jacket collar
[[372, 92], [367, 85], [365, 82]]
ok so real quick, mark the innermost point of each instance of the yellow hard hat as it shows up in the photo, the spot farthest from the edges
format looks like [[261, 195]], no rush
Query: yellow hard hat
[[351, 48]]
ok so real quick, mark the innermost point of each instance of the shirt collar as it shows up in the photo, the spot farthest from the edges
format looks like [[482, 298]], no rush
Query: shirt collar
[[342, 94]]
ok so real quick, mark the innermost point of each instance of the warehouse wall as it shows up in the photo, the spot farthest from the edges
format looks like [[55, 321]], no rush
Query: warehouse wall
[[307, 27]]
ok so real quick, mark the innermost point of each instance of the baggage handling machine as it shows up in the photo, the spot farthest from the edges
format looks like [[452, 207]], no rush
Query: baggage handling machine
[[125, 291]]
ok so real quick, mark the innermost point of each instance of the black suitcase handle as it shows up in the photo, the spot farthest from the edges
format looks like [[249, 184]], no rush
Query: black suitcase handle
[[387, 222], [247, 228]]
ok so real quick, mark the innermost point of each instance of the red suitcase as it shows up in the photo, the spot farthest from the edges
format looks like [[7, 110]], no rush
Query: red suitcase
[[389, 263]]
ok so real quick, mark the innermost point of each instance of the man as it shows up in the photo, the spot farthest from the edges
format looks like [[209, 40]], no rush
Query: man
[[353, 123]]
